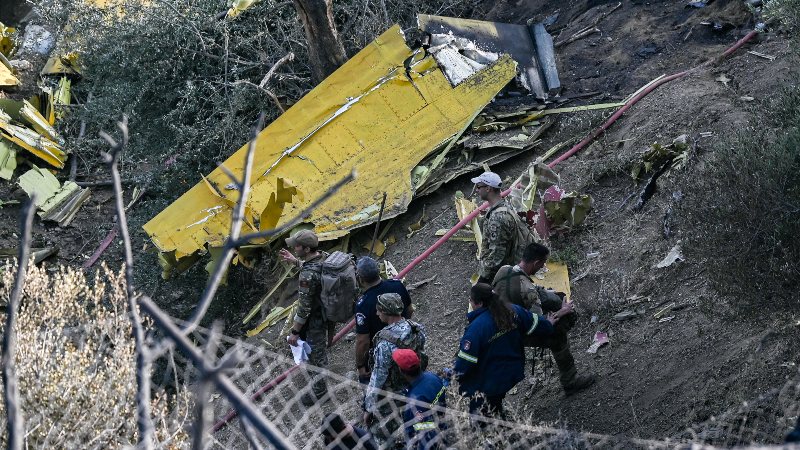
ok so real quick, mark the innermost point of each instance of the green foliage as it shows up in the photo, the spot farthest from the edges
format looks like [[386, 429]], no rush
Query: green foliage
[[748, 221], [785, 11]]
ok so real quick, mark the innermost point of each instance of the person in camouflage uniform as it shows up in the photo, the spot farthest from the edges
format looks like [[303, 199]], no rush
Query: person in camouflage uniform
[[514, 285], [309, 323], [498, 227], [382, 416]]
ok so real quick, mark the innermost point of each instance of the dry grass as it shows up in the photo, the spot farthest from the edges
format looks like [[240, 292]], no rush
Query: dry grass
[[76, 364]]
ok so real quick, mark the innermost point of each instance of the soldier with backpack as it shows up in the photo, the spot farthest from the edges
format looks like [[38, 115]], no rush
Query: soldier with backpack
[[386, 375], [505, 235], [326, 295]]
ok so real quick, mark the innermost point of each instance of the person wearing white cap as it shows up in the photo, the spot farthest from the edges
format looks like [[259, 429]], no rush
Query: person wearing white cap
[[498, 227]]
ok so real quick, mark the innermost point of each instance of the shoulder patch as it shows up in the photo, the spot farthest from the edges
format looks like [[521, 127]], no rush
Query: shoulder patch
[[467, 345], [361, 319]]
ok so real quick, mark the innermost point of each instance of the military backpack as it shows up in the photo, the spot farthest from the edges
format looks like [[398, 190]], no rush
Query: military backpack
[[414, 341], [339, 287], [523, 235]]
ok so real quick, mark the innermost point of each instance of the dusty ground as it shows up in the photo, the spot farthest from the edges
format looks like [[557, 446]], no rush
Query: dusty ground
[[656, 379]]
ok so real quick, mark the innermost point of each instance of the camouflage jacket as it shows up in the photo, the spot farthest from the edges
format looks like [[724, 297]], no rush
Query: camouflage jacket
[[515, 286], [309, 287], [382, 357], [498, 240]]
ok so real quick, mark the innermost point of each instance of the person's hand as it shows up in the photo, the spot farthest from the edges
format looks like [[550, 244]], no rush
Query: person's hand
[[287, 256], [551, 317], [292, 339], [566, 308]]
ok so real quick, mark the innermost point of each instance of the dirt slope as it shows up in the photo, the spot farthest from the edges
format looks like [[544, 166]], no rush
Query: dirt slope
[[656, 379]]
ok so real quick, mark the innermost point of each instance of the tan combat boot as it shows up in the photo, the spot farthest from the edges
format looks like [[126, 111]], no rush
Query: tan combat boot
[[570, 380]]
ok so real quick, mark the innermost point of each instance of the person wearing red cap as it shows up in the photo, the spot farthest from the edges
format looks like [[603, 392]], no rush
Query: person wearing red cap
[[421, 424]]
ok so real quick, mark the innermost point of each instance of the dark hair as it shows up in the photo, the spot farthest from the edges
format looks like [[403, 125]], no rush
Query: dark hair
[[332, 427], [535, 252], [368, 270], [414, 372], [501, 312]]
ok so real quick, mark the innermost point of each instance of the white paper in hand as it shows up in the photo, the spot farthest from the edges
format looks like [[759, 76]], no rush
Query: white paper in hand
[[300, 351]]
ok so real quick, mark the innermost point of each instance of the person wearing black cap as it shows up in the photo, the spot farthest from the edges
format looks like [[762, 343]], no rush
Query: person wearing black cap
[[367, 322], [491, 358], [309, 322], [422, 426]]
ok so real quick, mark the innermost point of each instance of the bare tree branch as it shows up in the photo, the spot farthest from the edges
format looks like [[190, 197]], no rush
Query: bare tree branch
[[143, 359], [236, 225], [202, 412], [16, 427], [289, 57]]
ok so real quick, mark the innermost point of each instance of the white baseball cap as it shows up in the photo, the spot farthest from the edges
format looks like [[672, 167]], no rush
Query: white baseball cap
[[490, 179]]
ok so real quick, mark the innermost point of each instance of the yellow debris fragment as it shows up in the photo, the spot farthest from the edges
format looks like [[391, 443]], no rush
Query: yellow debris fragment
[[373, 115], [55, 202], [62, 65]]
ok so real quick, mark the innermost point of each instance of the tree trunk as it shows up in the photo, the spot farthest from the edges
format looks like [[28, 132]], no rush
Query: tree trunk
[[325, 50]]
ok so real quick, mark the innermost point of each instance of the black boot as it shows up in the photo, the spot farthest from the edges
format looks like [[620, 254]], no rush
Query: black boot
[[570, 380]]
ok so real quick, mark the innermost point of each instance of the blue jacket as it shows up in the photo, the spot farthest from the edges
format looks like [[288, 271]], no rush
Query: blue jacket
[[492, 362], [422, 425]]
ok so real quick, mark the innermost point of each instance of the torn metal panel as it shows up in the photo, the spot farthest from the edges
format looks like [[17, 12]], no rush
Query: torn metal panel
[[66, 64], [7, 78], [554, 276], [8, 159], [499, 38], [30, 140], [55, 202], [547, 57], [374, 114]]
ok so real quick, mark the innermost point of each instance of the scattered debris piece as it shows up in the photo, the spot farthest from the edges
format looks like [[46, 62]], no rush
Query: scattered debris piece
[[38, 254], [657, 161], [531, 47], [625, 315], [666, 319], [722, 78], [101, 248], [276, 315], [331, 131], [419, 284], [55, 202], [706, 134], [761, 55], [8, 160], [465, 206], [569, 211], [647, 50], [673, 256], [747, 98], [287, 273], [416, 226], [600, 339], [663, 310], [40, 142]]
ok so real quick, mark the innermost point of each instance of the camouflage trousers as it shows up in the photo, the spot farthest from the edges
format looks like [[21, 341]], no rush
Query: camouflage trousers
[[315, 332]]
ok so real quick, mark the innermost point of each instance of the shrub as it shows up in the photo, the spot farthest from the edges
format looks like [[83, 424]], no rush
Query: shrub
[[75, 358]]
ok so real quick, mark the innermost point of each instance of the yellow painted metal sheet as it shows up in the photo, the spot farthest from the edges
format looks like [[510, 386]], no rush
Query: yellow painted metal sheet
[[371, 115], [7, 77], [556, 278]]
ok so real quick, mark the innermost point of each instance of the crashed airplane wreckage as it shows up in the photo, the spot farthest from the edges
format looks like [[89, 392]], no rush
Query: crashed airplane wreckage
[[394, 114]]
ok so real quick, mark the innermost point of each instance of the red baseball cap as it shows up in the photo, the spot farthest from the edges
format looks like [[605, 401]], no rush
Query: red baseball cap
[[406, 359]]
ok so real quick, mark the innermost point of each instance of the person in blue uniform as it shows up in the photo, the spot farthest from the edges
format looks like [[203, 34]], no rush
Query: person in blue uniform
[[367, 322], [491, 356], [422, 426]]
